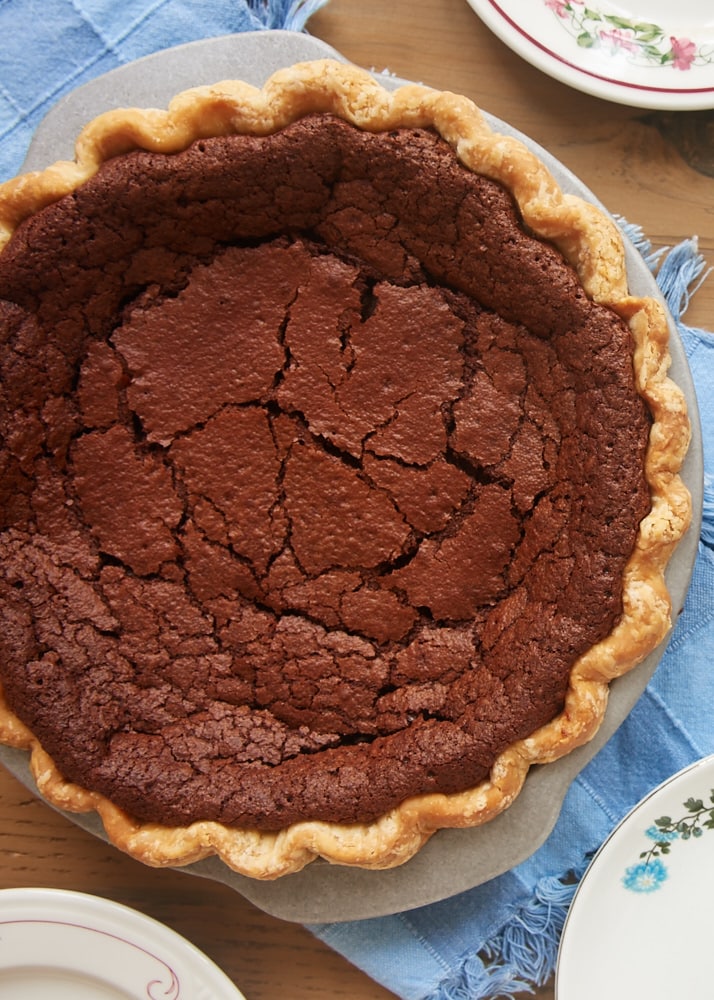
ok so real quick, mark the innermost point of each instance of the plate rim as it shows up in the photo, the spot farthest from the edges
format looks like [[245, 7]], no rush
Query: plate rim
[[86, 912]]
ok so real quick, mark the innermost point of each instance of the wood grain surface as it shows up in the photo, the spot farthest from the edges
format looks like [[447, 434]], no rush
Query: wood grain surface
[[654, 168]]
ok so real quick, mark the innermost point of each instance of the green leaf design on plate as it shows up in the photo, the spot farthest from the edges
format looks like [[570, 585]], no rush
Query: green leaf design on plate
[[641, 43], [649, 873]]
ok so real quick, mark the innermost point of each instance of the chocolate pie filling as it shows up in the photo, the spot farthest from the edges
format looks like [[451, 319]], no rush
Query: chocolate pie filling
[[318, 474]]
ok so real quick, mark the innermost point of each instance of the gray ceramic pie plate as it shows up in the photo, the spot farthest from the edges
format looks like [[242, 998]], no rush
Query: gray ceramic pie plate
[[453, 860]]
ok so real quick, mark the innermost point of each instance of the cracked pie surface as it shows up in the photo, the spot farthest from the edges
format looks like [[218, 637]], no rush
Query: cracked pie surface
[[339, 471]]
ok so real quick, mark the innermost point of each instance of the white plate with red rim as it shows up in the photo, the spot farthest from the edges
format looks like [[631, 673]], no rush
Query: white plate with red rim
[[640, 922], [645, 53], [60, 945]]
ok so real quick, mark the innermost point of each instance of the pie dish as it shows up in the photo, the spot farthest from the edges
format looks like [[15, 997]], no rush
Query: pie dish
[[366, 812]]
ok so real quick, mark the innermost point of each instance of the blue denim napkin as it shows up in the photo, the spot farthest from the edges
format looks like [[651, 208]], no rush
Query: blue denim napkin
[[501, 937]]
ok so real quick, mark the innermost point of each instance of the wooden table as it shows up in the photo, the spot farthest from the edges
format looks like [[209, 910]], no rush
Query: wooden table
[[656, 169]]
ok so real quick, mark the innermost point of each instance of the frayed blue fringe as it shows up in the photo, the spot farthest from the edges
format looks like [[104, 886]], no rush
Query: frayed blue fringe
[[679, 270], [291, 15], [524, 952]]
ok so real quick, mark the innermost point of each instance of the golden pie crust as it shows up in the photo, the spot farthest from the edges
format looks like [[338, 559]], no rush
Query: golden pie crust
[[592, 244]]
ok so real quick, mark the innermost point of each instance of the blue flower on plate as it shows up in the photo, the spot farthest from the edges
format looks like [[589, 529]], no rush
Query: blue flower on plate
[[661, 835], [650, 872], [647, 876]]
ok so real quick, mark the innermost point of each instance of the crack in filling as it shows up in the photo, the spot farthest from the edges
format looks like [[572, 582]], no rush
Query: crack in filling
[[317, 478]]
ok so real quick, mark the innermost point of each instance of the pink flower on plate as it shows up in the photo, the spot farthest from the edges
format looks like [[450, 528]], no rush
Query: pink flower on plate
[[559, 7], [563, 7], [683, 51], [617, 38]]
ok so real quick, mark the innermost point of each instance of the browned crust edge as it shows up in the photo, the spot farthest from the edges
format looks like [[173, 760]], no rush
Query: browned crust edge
[[592, 243]]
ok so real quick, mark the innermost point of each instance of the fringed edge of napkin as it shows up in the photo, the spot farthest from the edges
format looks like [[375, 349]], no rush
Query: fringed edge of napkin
[[523, 953]]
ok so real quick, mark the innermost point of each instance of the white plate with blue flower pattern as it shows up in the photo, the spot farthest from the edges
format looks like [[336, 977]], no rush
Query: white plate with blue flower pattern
[[640, 924], [646, 53], [57, 945]]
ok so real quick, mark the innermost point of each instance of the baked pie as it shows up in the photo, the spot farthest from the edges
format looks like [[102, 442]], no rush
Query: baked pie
[[339, 471]]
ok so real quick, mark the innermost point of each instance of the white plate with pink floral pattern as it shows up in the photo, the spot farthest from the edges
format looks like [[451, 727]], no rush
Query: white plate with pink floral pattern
[[646, 53], [57, 945], [640, 924]]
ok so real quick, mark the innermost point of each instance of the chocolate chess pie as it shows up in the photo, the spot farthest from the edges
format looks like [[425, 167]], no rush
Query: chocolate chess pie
[[339, 471]]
